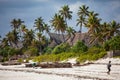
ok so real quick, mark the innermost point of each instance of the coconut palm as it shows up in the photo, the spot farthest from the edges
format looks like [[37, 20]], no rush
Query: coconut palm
[[83, 11], [14, 23], [13, 38], [39, 24], [94, 27], [4, 42], [70, 32], [93, 23], [80, 21], [59, 24], [82, 14], [114, 29], [19, 21], [66, 13], [28, 37]]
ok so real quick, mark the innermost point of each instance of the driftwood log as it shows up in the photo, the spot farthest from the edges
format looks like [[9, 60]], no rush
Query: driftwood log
[[50, 65], [10, 63], [56, 65]]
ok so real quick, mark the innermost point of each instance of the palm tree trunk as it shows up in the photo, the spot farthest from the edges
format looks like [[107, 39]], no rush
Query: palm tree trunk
[[63, 38]]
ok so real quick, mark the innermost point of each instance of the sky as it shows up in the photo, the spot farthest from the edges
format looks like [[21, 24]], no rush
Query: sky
[[29, 10]]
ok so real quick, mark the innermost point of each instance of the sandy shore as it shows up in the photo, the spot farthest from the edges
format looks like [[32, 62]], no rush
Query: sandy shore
[[95, 71], [11, 75]]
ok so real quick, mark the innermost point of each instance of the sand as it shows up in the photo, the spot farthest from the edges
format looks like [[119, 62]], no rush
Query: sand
[[97, 71]]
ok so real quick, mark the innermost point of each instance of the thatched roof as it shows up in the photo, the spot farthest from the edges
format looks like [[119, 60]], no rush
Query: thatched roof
[[58, 38]]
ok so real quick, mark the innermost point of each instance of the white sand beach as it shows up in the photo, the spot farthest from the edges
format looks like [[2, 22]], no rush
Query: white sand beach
[[97, 71]]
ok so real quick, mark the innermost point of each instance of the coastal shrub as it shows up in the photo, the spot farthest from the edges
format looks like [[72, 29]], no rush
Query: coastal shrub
[[53, 57], [89, 56], [95, 50], [20, 60], [112, 44], [79, 47], [64, 47], [93, 53], [47, 50], [31, 51]]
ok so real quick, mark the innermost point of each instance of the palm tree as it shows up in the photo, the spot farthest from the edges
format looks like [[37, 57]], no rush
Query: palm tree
[[80, 22], [13, 38], [28, 37], [65, 12], [83, 10], [59, 24], [0, 38], [19, 21], [82, 13], [4, 42], [70, 32], [39, 24], [114, 29], [14, 23], [93, 23]]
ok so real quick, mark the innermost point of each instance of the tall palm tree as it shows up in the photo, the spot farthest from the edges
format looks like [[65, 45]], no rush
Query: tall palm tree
[[19, 21], [66, 13], [14, 23], [59, 24], [39, 24], [28, 37], [82, 14], [83, 10], [13, 38], [80, 21], [114, 28], [93, 22]]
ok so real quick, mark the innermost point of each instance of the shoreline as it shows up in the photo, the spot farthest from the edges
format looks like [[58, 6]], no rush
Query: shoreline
[[95, 71], [53, 73]]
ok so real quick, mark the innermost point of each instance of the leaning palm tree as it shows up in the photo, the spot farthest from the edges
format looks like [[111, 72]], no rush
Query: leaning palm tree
[[114, 28], [13, 38], [93, 22], [93, 25], [70, 33], [4, 42], [59, 24], [28, 37], [65, 13]]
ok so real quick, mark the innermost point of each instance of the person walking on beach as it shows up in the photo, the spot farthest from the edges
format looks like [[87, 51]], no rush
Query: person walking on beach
[[109, 67]]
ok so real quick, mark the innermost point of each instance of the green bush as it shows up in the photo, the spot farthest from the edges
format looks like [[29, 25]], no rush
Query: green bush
[[20, 60], [79, 47], [95, 50], [53, 57], [93, 53], [48, 50], [31, 51], [64, 47], [112, 44]]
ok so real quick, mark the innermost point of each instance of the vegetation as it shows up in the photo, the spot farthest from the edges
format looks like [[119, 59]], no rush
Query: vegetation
[[34, 42]]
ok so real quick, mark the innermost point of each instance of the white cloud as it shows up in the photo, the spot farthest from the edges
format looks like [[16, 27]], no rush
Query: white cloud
[[74, 7]]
